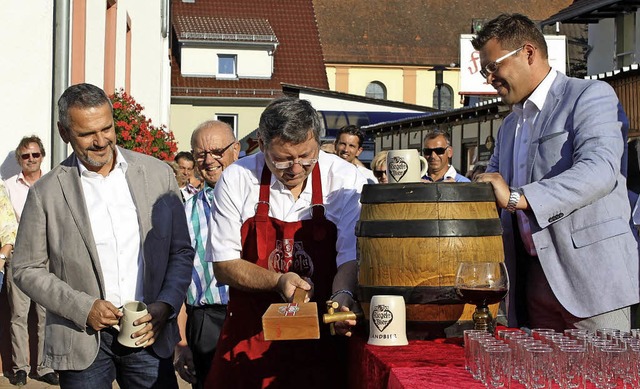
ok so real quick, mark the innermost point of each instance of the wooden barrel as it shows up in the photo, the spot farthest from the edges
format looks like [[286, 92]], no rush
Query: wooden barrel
[[411, 238]]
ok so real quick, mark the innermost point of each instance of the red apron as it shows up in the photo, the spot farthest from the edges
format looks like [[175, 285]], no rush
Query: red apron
[[243, 358]]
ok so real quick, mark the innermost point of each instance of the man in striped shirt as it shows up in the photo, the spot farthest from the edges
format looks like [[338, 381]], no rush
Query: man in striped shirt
[[214, 147]]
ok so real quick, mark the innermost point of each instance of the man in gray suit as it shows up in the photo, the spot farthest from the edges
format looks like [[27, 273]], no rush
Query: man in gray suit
[[104, 227], [556, 172]]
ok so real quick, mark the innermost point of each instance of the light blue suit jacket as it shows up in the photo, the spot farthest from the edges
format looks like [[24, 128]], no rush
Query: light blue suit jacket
[[578, 197], [56, 261]]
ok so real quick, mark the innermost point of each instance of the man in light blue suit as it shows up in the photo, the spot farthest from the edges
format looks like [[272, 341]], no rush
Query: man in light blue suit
[[556, 172]]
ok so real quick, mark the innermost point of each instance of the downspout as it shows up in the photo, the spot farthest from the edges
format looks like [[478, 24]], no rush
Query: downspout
[[61, 38]]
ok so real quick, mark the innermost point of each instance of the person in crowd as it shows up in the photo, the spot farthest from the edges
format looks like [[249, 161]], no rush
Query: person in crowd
[[29, 155], [348, 146], [104, 227], [215, 148], [379, 167], [438, 153], [8, 230], [572, 257], [185, 176], [478, 169], [284, 218], [328, 147]]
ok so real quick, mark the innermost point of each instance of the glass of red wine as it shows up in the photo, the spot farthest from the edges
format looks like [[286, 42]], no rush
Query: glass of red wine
[[482, 284]]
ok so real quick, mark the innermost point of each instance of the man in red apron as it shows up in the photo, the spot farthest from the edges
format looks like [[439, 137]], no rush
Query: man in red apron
[[284, 218]]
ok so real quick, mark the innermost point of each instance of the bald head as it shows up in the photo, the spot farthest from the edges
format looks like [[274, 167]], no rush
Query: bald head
[[214, 147]]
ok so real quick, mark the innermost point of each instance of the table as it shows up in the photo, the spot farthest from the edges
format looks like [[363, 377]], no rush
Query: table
[[433, 364], [422, 364]]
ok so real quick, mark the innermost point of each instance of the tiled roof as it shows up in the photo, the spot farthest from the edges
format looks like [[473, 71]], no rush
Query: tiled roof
[[297, 60], [223, 29], [410, 32]]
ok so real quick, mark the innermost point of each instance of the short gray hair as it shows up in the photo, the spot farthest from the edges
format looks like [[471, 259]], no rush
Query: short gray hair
[[80, 96], [289, 119]]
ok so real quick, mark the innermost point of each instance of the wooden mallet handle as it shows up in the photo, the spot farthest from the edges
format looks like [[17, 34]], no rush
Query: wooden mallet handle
[[299, 296]]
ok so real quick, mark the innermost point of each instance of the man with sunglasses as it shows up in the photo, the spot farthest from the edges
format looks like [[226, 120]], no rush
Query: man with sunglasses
[[438, 153], [282, 219], [29, 154], [557, 171], [214, 148]]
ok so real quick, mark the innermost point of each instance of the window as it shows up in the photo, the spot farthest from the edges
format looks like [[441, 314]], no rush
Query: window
[[376, 90], [444, 100], [231, 120], [227, 65], [625, 39]]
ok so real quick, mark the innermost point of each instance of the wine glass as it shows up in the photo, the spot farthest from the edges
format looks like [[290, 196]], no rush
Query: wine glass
[[481, 284]]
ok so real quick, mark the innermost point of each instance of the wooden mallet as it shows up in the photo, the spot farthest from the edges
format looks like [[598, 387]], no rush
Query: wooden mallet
[[290, 321]]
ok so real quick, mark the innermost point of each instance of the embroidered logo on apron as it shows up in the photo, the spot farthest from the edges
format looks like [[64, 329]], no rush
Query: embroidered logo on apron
[[290, 256]]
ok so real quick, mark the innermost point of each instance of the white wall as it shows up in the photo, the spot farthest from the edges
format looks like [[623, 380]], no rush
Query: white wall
[[203, 62], [150, 65], [95, 42], [26, 32], [26, 28]]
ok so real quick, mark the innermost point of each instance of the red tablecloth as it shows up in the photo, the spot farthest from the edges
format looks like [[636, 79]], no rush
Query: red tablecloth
[[421, 364], [437, 364]]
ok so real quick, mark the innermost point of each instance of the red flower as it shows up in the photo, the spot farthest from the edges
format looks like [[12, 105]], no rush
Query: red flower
[[136, 132]]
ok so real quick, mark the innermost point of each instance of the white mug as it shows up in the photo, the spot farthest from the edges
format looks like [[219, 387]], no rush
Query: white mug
[[132, 311], [405, 166], [387, 321]]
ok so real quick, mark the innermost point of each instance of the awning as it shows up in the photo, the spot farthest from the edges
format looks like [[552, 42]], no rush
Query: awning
[[335, 120], [592, 11]]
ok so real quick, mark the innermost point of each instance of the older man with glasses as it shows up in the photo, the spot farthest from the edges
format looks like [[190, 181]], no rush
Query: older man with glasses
[[284, 219], [214, 147], [438, 152], [29, 154]]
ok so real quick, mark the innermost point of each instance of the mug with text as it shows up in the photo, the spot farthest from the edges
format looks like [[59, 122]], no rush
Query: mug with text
[[387, 321], [405, 166], [132, 311]]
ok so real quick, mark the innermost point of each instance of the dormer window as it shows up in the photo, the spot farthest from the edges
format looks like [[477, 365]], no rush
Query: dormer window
[[227, 66], [225, 48]]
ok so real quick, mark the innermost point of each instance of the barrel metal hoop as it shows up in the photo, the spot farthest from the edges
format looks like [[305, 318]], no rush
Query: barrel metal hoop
[[428, 228], [427, 193], [413, 294]]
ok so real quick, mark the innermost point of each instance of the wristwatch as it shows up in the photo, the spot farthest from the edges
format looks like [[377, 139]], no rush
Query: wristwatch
[[514, 197]]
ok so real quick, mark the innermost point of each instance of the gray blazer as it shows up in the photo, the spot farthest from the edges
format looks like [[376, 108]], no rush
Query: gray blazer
[[56, 261], [578, 197]]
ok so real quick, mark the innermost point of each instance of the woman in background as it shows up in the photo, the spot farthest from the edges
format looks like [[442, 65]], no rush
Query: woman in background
[[379, 167]]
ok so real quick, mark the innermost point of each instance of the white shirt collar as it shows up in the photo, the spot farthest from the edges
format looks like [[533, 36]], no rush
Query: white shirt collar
[[539, 95]]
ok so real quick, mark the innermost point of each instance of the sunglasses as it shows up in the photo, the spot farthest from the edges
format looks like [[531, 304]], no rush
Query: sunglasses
[[216, 154], [379, 173], [439, 150], [32, 155]]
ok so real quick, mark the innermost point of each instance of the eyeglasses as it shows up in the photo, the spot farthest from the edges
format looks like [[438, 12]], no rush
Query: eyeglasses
[[287, 164], [379, 173], [439, 150], [216, 154], [492, 67], [32, 155]]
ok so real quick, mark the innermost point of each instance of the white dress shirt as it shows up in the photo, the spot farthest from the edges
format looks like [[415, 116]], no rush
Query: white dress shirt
[[527, 115], [236, 196], [116, 232]]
